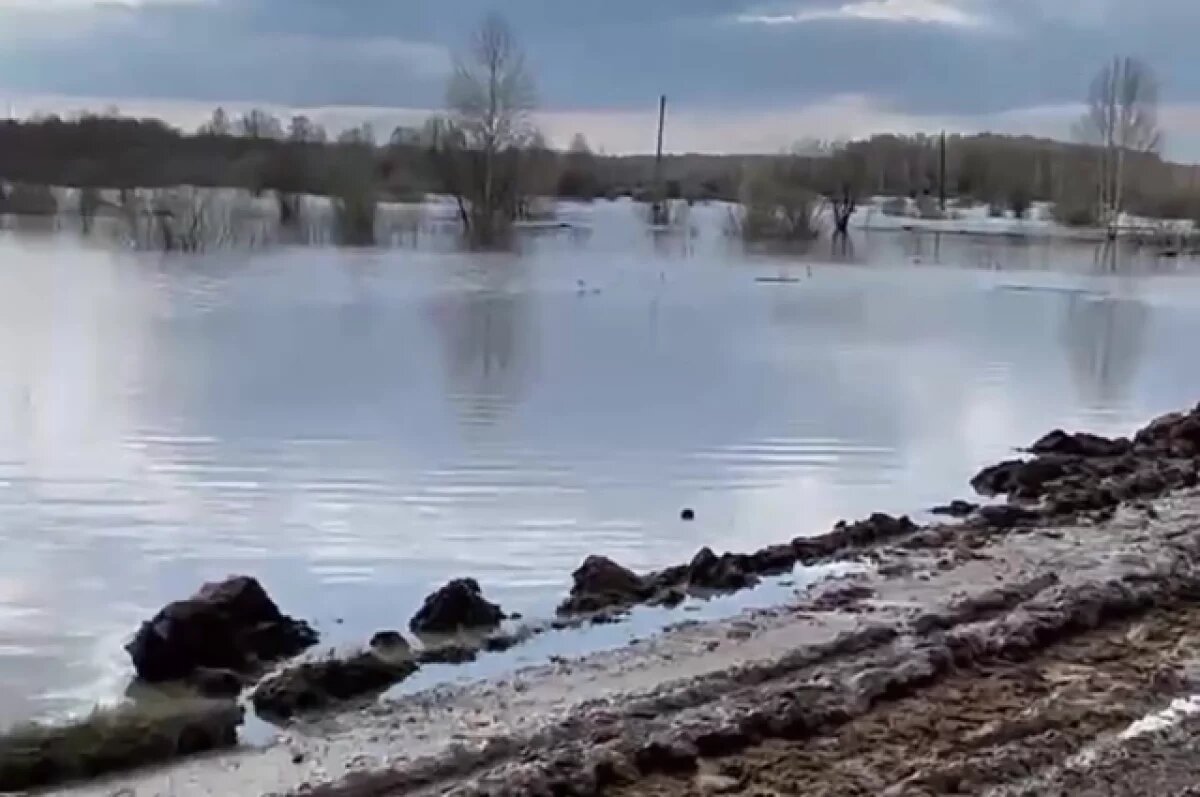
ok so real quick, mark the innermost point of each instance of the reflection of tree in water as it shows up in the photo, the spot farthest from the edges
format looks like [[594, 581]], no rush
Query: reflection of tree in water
[[485, 335], [1104, 340]]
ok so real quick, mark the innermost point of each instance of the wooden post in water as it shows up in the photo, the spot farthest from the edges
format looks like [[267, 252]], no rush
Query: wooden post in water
[[942, 173], [659, 209]]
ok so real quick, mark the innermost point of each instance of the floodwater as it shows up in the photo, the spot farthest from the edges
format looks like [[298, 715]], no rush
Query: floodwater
[[357, 427]]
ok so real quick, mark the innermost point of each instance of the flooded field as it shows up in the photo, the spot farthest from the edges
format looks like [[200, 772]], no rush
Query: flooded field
[[356, 427]]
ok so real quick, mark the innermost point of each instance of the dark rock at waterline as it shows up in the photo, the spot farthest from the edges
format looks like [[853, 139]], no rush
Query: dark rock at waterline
[[1007, 516], [956, 509], [314, 685], [450, 653], [1027, 478], [114, 740], [458, 606], [875, 529], [669, 598], [1084, 473], [687, 514], [391, 641], [666, 754], [725, 573], [1080, 444], [600, 583], [216, 683], [1176, 434], [229, 625], [773, 560]]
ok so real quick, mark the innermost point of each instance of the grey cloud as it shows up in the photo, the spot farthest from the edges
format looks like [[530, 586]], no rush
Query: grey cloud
[[615, 54]]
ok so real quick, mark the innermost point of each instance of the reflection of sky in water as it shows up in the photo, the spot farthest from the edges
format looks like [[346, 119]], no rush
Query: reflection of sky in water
[[356, 428]]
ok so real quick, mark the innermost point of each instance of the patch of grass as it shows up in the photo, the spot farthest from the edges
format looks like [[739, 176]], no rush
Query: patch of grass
[[111, 740]]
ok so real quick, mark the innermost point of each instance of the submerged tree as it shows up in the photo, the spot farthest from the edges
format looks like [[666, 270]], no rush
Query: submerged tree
[[842, 184], [776, 204], [477, 150], [1121, 121]]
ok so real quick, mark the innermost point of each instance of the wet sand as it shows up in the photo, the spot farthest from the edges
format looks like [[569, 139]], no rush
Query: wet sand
[[966, 659]]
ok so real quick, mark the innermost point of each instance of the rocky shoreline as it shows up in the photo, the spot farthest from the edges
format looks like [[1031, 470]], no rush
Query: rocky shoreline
[[1094, 532]]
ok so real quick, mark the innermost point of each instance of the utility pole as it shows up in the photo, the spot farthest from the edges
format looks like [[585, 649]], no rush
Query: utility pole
[[942, 173], [659, 209]]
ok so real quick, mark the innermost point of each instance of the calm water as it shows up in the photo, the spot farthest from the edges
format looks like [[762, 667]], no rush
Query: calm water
[[355, 428]]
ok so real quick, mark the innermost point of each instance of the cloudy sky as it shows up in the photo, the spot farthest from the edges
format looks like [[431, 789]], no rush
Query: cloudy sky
[[741, 74]]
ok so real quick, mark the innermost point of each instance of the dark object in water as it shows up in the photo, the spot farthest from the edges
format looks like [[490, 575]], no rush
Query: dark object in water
[[227, 625], [391, 641], [458, 606], [687, 514], [113, 740], [956, 508]]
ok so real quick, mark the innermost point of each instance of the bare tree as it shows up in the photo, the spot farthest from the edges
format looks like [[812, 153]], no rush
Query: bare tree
[[257, 123], [361, 135], [1121, 120], [491, 97], [302, 130], [218, 125]]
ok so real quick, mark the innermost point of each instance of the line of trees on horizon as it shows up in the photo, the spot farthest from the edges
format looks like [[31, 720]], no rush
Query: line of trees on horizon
[[486, 151]]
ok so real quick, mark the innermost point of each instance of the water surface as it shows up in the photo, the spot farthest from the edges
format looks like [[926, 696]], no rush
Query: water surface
[[355, 428]]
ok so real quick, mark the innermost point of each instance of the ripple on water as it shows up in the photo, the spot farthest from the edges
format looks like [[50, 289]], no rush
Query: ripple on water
[[356, 430]]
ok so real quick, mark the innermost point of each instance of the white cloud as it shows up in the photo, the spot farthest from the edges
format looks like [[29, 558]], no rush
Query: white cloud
[[934, 12]]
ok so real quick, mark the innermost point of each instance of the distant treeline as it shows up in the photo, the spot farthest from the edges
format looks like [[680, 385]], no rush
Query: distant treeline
[[260, 153]]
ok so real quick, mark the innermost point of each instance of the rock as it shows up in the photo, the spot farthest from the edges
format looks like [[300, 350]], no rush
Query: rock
[[315, 685], [1006, 516], [877, 528], [600, 583], [1020, 478], [390, 641], [726, 573], [216, 683], [1177, 434], [998, 479], [774, 559], [687, 515], [956, 508], [229, 625], [448, 654], [664, 754], [1080, 445], [458, 606], [670, 598]]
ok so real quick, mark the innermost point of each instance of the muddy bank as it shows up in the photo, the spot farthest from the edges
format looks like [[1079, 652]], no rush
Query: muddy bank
[[804, 696], [1049, 723]]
